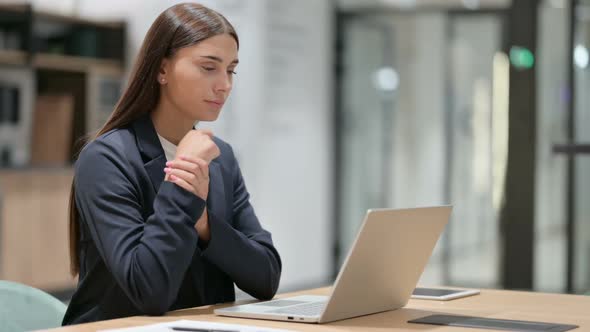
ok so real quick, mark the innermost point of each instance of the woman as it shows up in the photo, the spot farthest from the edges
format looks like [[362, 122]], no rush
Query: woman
[[160, 217]]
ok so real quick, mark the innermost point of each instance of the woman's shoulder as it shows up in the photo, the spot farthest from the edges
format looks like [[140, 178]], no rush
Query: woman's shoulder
[[111, 145], [106, 160]]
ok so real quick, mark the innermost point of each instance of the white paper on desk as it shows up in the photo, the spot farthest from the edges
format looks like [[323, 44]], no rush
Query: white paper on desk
[[197, 325]]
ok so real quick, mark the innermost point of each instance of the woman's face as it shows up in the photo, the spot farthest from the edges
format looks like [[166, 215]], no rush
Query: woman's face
[[197, 80]]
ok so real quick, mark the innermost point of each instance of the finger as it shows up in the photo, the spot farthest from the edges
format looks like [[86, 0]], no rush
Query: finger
[[187, 166], [203, 165], [195, 160], [189, 177], [183, 184]]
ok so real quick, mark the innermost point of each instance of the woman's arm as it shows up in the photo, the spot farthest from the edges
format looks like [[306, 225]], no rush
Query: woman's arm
[[241, 247], [147, 257]]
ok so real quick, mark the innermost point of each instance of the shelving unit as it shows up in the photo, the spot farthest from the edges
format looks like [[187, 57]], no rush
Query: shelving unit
[[60, 78], [73, 63], [61, 55]]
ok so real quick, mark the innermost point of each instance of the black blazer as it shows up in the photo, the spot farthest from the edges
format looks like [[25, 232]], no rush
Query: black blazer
[[138, 245]]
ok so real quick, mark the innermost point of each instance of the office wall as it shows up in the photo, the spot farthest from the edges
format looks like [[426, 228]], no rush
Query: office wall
[[278, 118], [393, 140], [438, 141], [419, 141], [550, 209]]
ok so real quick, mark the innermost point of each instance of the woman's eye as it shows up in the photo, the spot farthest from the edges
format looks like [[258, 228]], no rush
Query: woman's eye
[[231, 72], [209, 68]]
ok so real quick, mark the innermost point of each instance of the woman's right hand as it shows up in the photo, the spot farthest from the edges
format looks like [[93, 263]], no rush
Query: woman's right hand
[[197, 144]]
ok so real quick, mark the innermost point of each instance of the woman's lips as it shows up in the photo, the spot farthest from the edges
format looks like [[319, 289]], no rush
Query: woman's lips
[[215, 103]]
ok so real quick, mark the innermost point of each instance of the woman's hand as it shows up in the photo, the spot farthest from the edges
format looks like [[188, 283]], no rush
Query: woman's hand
[[192, 174], [198, 143], [189, 173], [202, 227]]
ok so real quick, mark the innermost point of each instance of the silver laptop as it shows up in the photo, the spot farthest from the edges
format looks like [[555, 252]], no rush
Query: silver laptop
[[379, 274]]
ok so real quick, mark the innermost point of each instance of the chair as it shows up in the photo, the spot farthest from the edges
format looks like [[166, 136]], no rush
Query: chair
[[24, 308]]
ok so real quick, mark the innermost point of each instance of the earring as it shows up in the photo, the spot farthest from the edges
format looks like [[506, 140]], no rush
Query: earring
[[163, 81]]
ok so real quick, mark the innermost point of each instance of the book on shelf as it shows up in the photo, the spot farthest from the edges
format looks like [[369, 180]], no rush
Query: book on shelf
[[10, 39], [9, 105], [9, 118], [16, 105]]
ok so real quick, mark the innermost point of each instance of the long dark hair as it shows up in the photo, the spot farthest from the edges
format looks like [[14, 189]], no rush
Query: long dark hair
[[179, 26]]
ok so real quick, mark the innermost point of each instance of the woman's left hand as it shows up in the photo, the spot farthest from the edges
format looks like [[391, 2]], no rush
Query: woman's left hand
[[202, 227]]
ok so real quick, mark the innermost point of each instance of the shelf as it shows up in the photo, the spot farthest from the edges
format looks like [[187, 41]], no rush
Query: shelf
[[66, 169], [43, 15], [15, 8], [57, 17], [60, 62], [80, 37], [56, 54], [13, 57], [75, 63]]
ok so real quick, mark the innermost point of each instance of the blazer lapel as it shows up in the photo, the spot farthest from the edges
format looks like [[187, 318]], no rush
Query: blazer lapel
[[155, 170], [150, 149]]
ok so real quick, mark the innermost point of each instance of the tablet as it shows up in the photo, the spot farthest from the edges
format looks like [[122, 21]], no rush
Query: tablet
[[442, 294], [492, 323]]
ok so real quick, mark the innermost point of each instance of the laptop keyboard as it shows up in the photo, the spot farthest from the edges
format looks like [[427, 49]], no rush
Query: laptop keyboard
[[279, 303], [307, 309]]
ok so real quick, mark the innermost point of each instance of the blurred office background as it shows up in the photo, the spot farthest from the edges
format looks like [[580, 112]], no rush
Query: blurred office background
[[338, 107]]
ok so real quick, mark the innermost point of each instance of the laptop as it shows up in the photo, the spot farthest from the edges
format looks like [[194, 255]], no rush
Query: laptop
[[379, 274]]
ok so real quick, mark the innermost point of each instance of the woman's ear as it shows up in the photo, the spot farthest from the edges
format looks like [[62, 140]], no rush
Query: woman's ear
[[162, 79]]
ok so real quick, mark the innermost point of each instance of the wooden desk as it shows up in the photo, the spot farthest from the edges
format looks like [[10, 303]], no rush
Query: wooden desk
[[554, 308]]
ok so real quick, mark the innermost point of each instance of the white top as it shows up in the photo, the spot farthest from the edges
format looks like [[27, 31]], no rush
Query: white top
[[169, 148]]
